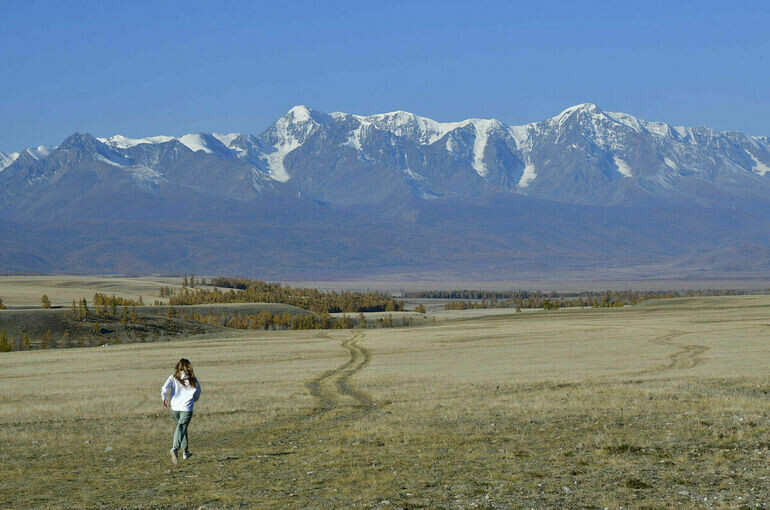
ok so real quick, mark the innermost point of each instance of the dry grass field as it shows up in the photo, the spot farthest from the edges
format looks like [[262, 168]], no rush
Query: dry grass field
[[658, 405], [21, 291]]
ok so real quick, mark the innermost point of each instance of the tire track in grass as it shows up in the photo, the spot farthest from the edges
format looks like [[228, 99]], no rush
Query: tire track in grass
[[687, 356], [360, 358], [337, 399], [333, 387]]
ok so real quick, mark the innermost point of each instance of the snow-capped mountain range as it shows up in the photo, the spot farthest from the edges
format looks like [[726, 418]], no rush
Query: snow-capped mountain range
[[583, 156], [326, 195]]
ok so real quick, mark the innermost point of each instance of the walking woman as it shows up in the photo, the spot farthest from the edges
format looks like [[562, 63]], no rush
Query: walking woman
[[184, 390]]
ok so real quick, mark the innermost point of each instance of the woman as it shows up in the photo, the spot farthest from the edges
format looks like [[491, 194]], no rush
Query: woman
[[184, 390]]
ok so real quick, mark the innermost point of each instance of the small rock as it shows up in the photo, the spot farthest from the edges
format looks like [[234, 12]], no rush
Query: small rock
[[108, 449], [684, 493], [88, 442], [566, 489], [385, 502]]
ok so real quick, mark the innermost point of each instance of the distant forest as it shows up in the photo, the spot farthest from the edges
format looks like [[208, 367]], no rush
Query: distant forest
[[470, 299], [243, 290]]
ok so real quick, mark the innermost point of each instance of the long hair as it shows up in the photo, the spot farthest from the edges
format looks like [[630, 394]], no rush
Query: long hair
[[184, 366]]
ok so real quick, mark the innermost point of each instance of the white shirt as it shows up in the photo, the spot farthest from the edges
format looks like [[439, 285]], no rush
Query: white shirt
[[183, 396]]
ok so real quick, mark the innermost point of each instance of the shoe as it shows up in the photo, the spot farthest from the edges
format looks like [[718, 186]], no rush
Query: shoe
[[186, 455], [174, 457]]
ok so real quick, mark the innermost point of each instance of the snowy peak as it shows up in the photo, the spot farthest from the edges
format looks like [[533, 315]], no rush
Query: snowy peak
[[577, 112], [210, 143], [124, 142], [582, 109], [84, 144], [408, 125], [302, 115], [590, 115], [299, 113], [87, 146], [287, 134], [39, 152], [7, 160], [226, 140], [422, 130], [297, 124], [204, 142]]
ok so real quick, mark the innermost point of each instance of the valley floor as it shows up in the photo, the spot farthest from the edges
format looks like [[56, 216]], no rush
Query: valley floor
[[656, 405]]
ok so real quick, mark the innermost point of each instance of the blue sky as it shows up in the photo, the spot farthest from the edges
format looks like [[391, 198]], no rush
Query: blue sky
[[142, 69]]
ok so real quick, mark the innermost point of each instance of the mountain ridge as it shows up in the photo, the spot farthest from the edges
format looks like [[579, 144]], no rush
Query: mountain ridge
[[345, 194], [580, 155]]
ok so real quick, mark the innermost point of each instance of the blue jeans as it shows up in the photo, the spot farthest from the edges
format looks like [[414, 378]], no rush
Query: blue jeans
[[182, 419]]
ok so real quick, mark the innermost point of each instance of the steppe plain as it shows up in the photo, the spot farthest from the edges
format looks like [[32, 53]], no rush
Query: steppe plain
[[657, 405]]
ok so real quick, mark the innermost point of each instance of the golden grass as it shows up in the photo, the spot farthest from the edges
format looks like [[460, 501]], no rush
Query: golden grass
[[61, 290], [651, 406]]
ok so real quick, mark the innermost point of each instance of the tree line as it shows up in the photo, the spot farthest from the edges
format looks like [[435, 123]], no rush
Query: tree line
[[492, 295], [104, 300], [47, 341], [556, 300], [243, 290], [266, 320]]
